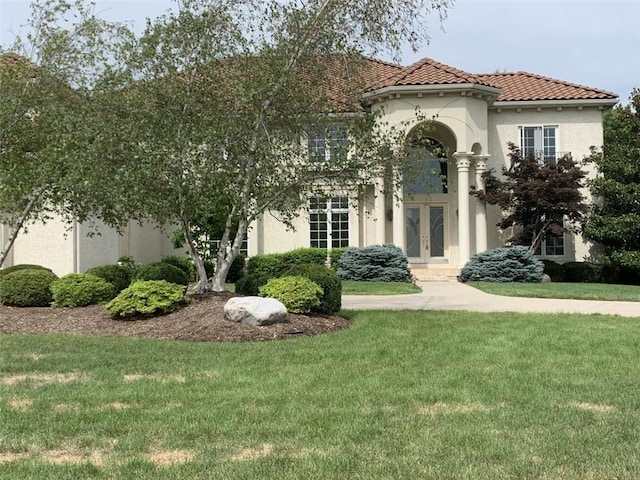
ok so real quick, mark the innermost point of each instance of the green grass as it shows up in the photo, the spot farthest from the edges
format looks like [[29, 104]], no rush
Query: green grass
[[399, 395], [580, 291], [352, 287]]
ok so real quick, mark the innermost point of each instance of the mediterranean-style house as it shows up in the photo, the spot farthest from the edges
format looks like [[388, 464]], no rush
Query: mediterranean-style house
[[437, 223]]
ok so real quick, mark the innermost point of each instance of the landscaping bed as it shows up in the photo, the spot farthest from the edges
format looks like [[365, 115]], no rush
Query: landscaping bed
[[202, 320]]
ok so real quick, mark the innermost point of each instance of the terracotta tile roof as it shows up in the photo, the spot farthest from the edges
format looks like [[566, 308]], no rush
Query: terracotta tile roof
[[524, 86], [429, 72]]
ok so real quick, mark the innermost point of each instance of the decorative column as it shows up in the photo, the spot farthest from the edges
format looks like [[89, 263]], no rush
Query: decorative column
[[398, 215], [481, 206], [463, 162], [378, 208]]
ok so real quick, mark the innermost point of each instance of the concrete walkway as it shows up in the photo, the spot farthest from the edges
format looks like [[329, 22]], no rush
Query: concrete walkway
[[458, 296]]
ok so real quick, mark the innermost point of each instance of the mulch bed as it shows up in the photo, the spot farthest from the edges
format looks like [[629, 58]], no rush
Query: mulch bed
[[202, 320]]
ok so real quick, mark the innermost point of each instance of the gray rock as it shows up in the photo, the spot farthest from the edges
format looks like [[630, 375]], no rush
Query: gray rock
[[545, 279], [255, 310]]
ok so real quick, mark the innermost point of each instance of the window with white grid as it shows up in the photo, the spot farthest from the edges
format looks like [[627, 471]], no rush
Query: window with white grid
[[329, 222], [327, 143], [540, 141]]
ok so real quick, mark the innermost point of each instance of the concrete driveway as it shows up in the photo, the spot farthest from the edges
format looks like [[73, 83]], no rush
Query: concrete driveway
[[458, 296]]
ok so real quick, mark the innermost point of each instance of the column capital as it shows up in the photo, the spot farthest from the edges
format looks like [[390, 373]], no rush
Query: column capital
[[481, 162], [463, 160]]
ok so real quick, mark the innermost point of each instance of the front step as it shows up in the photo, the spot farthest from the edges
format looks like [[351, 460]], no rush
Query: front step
[[435, 274]]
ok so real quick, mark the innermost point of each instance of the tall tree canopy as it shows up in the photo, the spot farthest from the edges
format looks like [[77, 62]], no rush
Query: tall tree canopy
[[537, 197], [210, 116], [615, 221]]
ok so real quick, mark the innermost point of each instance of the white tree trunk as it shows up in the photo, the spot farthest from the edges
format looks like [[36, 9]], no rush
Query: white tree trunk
[[201, 272], [16, 227]]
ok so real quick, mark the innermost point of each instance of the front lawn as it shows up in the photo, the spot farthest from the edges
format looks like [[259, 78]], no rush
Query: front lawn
[[352, 287], [399, 395], [579, 291]]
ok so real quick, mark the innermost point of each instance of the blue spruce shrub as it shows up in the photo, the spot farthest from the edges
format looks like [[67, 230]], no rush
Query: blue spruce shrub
[[506, 264], [376, 263]]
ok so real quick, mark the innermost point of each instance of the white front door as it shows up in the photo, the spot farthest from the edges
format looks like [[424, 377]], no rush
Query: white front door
[[427, 239]]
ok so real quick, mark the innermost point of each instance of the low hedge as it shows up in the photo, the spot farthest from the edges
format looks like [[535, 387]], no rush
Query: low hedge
[[250, 284], [119, 276], [183, 263], [27, 288], [147, 298], [80, 289], [161, 271], [582, 272], [554, 270], [21, 266], [276, 264]]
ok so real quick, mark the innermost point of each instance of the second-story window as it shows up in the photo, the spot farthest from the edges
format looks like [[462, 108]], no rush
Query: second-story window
[[540, 141], [327, 143]]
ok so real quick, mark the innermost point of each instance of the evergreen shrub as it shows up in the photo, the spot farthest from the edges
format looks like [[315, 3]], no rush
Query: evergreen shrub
[[21, 266], [117, 275], [250, 284], [161, 271], [334, 256], [81, 289], [146, 298], [27, 288], [554, 270], [209, 267], [183, 263], [298, 294], [237, 268], [582, 272], [505, 264], [622, 267], [328, 280], [376, 263], [276, 264]]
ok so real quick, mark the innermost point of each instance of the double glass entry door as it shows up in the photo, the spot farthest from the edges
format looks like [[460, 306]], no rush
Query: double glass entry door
[[426, 233]]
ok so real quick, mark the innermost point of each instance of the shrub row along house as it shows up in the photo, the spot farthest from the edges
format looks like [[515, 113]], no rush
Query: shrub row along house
[[432, 217]]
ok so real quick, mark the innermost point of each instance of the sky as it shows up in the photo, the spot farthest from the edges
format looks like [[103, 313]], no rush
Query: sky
[[590, 42]]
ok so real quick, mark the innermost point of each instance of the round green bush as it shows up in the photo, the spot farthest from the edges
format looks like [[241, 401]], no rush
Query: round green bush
[[328, 280], [117, 275], [161, 271], [582, 272], [375, 263], [298, 294], [236, 270], [147, 298], [183, 263], [250, 284], [27, 288], [554, 270], [81, 289], [505, 264], [21, 266]]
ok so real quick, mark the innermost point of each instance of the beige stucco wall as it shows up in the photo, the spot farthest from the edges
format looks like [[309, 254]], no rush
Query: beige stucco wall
[[578, 130]]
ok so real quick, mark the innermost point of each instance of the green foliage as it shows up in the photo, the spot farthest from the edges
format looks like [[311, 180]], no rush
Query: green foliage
[[27, 288], [276, 264], [582, 272], [81, 289], [161, 271], [298, 294], [209, 267], [250, 283], [622, 267], [128, 261], [147, 298], [376, 263], [237, 268], [554, 270], [119, 276], [328, 280], [22, 266], [334, 256], [183, 263], [506, 264]]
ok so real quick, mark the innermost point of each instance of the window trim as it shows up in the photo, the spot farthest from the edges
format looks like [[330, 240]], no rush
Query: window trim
[[540, 153], [327, 207], [327, 143]]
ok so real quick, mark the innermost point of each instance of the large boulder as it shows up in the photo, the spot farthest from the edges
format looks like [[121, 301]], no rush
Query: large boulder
[[255, 310]]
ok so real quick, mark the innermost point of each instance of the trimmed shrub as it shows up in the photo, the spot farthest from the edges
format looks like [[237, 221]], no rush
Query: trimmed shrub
[[582, 272], [554, 270], [27, 288], [183, 263], [117, 275], [22, 266], [80, 289], [376, 263], [250, 284], [622, 267], [298, 294], [328, 280], [161, 271], [506, 264], [147, 298], [334, 256], [276, 264], [237, 268]]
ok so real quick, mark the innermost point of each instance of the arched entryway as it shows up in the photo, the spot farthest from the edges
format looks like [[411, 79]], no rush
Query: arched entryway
[[426, 187]]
